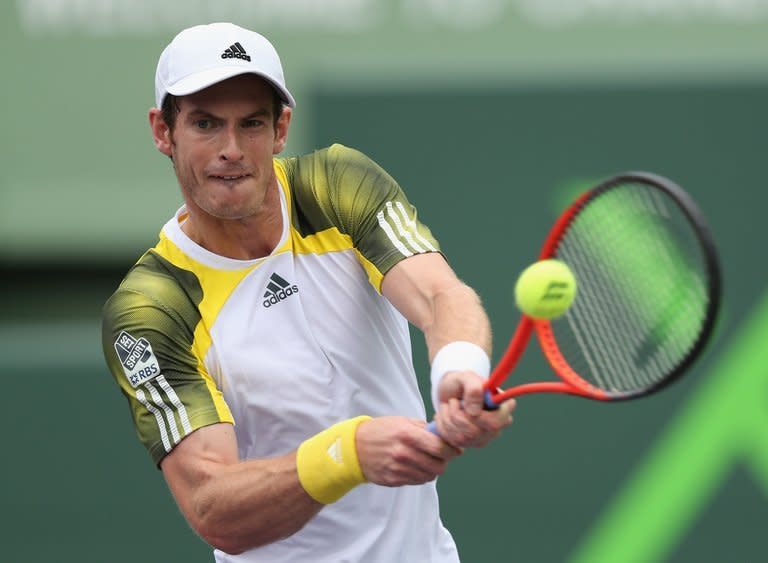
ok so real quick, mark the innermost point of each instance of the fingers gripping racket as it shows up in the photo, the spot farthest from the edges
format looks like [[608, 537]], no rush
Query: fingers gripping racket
[[648, 294]]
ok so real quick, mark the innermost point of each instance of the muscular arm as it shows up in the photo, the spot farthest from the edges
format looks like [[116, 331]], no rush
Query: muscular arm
[[235, 505], [238, 505], [427, 292]]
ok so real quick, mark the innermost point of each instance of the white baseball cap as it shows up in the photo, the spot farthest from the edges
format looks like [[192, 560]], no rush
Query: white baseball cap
[[203, 55]]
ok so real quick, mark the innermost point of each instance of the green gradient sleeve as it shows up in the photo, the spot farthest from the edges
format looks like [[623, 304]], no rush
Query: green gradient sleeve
[[341, 187], [147, 332]]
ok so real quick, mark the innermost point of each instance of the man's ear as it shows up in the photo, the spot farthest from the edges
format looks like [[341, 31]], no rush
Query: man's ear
[[281, 130], [161, 134]]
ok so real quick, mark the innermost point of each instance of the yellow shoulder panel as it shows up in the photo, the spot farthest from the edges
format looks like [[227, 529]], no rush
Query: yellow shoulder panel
[[217, 286]]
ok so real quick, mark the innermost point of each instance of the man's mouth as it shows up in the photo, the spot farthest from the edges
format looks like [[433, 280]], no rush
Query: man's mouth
[[229, 177]]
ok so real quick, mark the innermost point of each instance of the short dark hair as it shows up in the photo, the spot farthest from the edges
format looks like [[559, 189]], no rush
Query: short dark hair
[[170, 109]]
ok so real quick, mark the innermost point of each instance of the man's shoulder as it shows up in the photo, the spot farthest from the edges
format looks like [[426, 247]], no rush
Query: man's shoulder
[[326, 167], [333, 154], [155, 282]]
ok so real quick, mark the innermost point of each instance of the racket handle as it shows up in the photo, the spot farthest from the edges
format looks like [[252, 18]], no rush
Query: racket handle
[[489, 405]]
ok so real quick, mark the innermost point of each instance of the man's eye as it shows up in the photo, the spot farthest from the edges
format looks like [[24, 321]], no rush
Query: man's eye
[[203, 124], [253, 123]]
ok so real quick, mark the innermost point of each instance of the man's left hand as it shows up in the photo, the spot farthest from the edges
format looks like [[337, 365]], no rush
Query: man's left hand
[[461, 419]]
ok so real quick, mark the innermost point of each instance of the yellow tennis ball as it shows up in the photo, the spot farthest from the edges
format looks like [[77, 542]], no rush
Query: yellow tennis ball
[[545, 289]]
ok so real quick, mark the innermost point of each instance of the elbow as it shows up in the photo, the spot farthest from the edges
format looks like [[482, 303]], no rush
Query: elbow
[[234, 540], [230, 548], [214, 531], [218, 539], [232, 544]]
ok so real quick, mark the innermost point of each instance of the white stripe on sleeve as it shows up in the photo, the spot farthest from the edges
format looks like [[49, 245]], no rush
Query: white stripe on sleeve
[[158, 416], [391, 235], [400, 229], [158, 400], [176, 402], [411, 223]]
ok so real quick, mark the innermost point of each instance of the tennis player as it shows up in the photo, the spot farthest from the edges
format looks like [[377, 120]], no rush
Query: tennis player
[[263, 343]]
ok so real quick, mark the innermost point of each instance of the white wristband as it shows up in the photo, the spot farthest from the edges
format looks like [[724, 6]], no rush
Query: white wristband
[[458, 356]]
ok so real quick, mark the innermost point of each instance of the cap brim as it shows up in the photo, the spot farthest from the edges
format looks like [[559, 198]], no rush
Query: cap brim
[[205, 78]]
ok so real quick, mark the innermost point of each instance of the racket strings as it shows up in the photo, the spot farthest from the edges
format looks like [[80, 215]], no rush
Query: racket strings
[[606, 330], [669, 256], [665, 251], [600, 333], [642, 297]]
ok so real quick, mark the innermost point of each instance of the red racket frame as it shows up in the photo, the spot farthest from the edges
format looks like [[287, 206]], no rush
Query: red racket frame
[[571, 383]]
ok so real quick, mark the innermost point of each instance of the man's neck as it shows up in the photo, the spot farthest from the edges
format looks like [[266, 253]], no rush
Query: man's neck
[[242, 239]]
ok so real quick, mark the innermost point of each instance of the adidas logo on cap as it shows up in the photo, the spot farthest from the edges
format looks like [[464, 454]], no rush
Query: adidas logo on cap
[[236, 51], [277, 290]]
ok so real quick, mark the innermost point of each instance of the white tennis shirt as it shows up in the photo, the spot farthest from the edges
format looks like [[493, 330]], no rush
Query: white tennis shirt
[[285, 346]]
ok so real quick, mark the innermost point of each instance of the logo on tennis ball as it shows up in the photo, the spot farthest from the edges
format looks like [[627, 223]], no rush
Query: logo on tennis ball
[[545, 289]]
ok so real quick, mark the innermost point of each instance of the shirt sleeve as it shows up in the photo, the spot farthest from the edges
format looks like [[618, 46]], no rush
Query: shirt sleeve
[[148, 329], [362, 200]]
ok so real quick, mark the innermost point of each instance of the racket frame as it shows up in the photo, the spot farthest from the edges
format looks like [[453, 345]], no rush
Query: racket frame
[[571, 383]]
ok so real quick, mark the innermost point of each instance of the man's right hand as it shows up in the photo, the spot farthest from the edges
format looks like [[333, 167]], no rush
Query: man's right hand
[[395, 451]]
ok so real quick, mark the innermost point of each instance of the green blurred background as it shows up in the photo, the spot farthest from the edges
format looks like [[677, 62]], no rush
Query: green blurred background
[[490, 113]]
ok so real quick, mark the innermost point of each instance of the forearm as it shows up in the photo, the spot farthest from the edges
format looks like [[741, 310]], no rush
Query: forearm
[[446, 310], [458, 337], [459, 352], [457, 315], [250, 503]]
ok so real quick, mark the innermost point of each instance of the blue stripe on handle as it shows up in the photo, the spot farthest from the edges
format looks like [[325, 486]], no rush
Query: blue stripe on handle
[[490, 404]]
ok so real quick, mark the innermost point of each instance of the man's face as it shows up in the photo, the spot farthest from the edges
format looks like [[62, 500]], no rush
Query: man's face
[[222, 146]]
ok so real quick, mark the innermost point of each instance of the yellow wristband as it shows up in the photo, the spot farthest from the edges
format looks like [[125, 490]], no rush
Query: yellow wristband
[[327, 462]]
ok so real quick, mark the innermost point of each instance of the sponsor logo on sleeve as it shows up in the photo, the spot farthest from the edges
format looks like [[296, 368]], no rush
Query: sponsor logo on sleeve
[[137, 358]]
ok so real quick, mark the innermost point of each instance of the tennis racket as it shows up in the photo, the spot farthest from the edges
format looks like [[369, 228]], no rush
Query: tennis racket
[[648, 295]]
